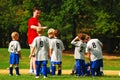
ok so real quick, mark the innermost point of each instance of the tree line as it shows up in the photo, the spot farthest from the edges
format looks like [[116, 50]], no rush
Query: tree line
[[98, 18]]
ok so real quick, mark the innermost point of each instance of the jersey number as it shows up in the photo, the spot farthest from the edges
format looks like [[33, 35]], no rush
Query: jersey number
[[94, 45], [81, 49], [41, 43], [58, 45]]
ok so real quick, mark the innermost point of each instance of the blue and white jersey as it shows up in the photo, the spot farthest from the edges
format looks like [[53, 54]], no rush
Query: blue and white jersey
[[14, 47], [95, 49], [57, 48], [79, 51], [41, 44]]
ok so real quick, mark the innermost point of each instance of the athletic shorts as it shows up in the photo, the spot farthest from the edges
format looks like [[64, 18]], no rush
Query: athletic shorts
[[14, 58], [80, 62], [56, 63], [97, 63], [41, 63]]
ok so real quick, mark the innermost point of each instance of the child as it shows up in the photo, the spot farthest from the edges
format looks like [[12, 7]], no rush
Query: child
[[79, 52], [56, 48], [14, 49], [94, 49], [51, 37], [40, 50]]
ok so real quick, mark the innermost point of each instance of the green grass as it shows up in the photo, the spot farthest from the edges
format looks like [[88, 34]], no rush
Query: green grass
[[67, 63], [62, 77]]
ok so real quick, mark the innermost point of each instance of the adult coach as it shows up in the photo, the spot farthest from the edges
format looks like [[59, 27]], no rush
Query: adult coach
[[33, 24], [94, 49]]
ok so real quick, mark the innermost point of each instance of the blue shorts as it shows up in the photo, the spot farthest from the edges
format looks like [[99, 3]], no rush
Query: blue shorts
[[14, 58], [56, 63], [80, 62], [97, 63], [41, 63]]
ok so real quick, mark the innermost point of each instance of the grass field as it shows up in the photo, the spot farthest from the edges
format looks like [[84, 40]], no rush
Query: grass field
[[68, 61]]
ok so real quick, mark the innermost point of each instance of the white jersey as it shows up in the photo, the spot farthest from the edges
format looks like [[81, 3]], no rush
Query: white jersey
[[41, 44], [95, 49], [57, 48], [14, 47], [79, 51]]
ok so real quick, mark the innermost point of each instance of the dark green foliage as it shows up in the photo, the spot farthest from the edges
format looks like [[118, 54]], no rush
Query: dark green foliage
[[95, 17]]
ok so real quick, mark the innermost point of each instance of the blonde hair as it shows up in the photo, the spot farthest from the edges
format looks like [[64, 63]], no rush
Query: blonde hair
[[40, 30], [14, 34], [51, 31]]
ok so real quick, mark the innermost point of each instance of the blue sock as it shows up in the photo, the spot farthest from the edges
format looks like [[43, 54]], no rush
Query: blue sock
[[37, 69], [45, 70], [93, 71], [78, 70], [53, 70]]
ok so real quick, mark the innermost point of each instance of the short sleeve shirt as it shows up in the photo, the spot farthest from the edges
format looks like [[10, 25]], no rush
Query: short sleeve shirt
[[14, 47], [41, 44]]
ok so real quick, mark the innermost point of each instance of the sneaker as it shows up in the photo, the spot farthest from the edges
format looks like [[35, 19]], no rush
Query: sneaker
[[37, 77], [17, 74], [10, 74], [34, 72], [45, 76]]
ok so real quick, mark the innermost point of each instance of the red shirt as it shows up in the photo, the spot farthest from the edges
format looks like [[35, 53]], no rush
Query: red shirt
[[32, 32]]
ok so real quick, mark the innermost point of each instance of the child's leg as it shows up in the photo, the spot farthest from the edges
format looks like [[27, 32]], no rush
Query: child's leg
[[17, 70], [93, 71], [38, 64], [59, 69], [45, 68], [11, 70], [53, 69]]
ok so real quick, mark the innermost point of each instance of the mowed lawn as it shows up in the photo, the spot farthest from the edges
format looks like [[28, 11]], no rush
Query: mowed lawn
[[67, 64]]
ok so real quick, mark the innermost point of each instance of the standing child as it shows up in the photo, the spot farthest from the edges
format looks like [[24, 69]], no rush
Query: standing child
[[14, 49], [40, 50], [51, 37], [56, 48], [79, 52]]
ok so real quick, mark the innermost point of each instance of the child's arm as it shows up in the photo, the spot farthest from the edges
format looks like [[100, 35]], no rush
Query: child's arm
[[19, 53]]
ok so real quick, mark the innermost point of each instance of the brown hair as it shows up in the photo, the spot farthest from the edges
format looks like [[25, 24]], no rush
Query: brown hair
[[36, 8], [57, 33], [81, 36]]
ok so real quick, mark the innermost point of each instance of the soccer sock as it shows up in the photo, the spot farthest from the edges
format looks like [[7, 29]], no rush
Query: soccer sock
[[53, 70], [37, 69], [45, 70], [78, 70], [93, 71], [17, 70], [11, 70], [59, 72]]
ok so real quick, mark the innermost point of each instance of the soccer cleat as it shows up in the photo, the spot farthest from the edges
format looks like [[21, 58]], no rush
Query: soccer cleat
[[10, 74], [45, 76], [37, 77], [17, 74]]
